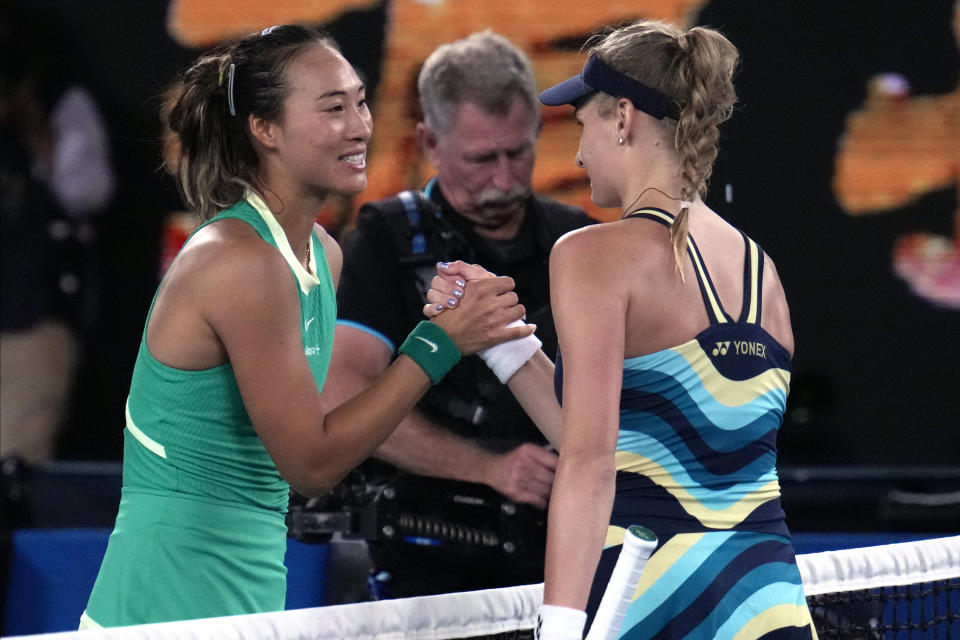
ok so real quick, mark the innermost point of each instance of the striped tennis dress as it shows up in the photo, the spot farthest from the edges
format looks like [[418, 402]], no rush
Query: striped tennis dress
[[696, 463], [200, 531]]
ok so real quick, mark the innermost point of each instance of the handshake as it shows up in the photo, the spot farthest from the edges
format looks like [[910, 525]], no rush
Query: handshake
[[455, 284]]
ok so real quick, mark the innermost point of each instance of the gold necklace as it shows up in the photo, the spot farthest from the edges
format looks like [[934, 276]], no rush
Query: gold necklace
[[306, 261]]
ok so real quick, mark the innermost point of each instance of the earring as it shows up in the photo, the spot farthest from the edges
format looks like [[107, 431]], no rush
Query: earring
[[619, 139]]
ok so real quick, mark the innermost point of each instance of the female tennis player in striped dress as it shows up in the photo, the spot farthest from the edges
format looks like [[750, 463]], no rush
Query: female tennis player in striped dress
[[676, 345]]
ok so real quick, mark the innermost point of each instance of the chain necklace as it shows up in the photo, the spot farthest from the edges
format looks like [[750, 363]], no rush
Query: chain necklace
[[628, 208], [306, 261]]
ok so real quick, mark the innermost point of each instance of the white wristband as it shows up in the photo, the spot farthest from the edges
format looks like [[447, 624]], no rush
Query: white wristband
[[560, 623], [506, 358]]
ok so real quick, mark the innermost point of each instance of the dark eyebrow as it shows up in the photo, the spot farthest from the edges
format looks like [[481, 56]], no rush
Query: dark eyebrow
[[340, 92]]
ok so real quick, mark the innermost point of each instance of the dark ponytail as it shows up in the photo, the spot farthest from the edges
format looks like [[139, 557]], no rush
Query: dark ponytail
[[216, 161]]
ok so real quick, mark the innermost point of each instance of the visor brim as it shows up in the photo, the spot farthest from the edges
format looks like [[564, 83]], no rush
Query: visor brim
[[570, 91]]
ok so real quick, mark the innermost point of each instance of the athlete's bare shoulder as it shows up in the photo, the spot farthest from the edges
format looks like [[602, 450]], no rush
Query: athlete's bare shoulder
[[223, 254]]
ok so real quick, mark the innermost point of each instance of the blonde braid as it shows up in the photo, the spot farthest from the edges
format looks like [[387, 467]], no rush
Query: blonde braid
[[706, 72], [695, 68]]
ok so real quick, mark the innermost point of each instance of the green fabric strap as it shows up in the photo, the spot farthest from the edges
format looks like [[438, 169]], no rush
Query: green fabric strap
[[432, 349]]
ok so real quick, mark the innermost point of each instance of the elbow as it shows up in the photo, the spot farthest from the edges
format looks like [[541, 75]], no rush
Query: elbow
[[314, 485], [311, 490], [318, 481]]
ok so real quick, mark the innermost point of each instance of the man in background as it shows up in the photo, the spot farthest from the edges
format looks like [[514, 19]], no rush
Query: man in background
[[480, 125]]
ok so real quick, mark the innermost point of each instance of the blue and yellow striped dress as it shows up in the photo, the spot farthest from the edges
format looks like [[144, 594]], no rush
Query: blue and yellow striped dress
[[696, 463]]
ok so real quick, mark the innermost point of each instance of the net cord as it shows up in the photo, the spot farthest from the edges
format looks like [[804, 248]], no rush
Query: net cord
[[478, 613], [441, 617], [886, 565]]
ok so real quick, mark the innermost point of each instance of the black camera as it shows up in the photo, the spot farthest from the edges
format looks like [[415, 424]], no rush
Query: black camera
[[462, 518]]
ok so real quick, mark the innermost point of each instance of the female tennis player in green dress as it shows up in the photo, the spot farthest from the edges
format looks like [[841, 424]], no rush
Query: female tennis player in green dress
[[225, 407], [676, 345]]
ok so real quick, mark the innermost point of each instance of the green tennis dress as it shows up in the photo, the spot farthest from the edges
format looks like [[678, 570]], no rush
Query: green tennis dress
[[200, 531]]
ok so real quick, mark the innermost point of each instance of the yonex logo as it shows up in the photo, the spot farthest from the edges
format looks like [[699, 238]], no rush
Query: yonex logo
[[432, 345], [741, 348], [721, 348]]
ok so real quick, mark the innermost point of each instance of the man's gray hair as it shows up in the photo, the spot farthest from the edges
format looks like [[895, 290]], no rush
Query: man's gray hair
[[484, 68]]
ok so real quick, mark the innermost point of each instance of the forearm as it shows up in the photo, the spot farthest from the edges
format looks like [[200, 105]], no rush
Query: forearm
[[353, 430], [532, 386], [579, 514], [422, 446], [419, 444]]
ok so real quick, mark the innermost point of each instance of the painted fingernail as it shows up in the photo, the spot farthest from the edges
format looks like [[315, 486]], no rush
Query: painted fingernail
[[461, 283], [443, 265], [439, 307], [458, 293], [452, 302]]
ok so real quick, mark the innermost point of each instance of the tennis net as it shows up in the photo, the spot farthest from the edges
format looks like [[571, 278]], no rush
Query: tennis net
[[905, 591]]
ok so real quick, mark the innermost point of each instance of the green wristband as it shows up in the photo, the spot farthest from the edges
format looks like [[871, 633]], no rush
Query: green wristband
[[432, 349]]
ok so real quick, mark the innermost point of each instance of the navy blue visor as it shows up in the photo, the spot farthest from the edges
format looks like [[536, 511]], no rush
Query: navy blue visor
[[597, 76]]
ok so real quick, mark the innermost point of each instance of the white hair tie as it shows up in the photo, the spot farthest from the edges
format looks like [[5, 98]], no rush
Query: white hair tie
[[686, 204]]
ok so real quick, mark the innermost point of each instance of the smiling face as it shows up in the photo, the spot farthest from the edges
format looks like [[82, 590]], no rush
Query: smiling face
[[323, 131], [485, 163], [598, 143]]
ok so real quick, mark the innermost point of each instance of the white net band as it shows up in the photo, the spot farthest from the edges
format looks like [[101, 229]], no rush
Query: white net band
[[880, 566], [442, 617], [514, 610]]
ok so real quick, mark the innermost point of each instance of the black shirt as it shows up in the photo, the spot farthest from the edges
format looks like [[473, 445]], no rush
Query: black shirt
[[387, 263]]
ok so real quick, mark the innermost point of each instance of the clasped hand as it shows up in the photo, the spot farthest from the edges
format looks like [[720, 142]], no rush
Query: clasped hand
[[475, 307]]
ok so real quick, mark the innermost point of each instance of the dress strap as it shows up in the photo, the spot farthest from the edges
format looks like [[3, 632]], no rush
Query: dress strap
[[711, 300], [752, 282]]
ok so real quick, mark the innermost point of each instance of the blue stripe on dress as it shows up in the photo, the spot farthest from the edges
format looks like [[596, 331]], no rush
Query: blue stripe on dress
[[700, 599]]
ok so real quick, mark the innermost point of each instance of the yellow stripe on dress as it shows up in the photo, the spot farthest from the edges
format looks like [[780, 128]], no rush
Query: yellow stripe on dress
[[725, 518], [754, 282], [615, 536], [143, 438], [772, 619], [717, 312], [665, 557], [731, 393]]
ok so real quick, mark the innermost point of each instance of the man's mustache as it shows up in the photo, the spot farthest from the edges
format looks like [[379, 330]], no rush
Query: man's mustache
[[502, 198]]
